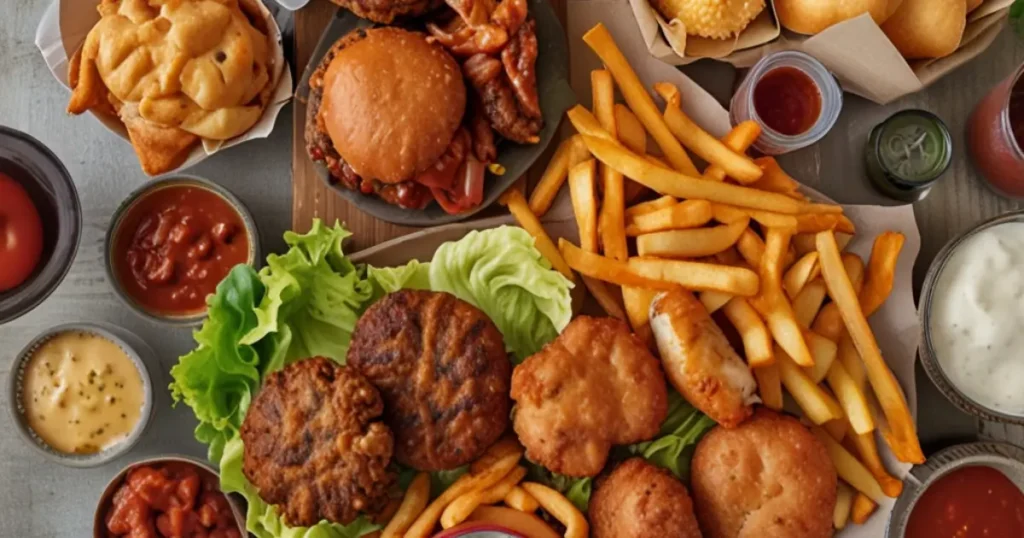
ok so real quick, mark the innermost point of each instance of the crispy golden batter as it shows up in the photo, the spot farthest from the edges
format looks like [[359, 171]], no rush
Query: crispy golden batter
[[699, 361], [441, 367], [386, 11], [641, 500], [768, 478], [192, 67], [314, 445], [595, 386]]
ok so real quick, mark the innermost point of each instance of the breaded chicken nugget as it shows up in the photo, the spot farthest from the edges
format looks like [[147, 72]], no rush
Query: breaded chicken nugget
[[699, 361], [595, 386], [641, 500]]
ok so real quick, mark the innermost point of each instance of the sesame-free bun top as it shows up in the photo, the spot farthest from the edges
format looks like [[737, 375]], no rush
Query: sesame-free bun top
[[392, 103], [768, 478]]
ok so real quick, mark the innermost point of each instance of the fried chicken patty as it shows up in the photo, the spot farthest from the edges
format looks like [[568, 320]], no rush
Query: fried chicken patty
[[440, 364], [594, 386], [640, 500], [385, 11], [314, 445], [767, 478]]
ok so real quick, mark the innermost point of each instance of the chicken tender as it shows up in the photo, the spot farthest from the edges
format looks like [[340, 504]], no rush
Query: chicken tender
[[314, 445], [641, 500], [441, 367], [769, 478], [595, 386], [699, 361]]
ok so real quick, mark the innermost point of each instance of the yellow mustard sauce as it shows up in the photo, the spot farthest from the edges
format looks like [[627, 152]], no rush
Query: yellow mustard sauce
[[81, 393]]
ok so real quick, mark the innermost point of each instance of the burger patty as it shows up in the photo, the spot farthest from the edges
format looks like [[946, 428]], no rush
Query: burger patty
[[385, 11], [441, 367], [314, 444]]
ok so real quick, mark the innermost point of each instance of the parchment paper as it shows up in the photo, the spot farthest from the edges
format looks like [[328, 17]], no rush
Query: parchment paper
[[857, 50], [63, 29]]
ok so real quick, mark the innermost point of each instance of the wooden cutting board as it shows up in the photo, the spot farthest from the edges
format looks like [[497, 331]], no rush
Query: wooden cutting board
[[311, 198]]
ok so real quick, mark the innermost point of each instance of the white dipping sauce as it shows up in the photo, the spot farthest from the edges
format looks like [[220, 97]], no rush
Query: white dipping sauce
[[977, 318]]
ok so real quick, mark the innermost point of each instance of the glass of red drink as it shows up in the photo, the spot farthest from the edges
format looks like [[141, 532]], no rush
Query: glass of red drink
[[995, 136]]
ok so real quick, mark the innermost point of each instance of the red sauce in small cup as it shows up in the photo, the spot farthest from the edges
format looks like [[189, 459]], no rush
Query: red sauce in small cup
[[787, 100], [973, 502], [174, 245], [170, 500]]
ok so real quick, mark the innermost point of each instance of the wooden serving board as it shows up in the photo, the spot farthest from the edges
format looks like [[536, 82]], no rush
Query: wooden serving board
[[311, 198]]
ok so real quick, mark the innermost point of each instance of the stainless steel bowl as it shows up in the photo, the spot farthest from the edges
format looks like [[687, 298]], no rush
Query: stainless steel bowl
[[929, 358], [1007, 459], [162, 183], [99, 518], [137, 351]]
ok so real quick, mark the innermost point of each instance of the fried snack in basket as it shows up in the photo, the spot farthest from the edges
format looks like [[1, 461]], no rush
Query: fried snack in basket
[[715, 19], [175, 72]]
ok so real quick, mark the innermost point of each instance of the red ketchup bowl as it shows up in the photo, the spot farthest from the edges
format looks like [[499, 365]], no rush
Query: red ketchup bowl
[[176, 495], [40, 223], [475, 529]]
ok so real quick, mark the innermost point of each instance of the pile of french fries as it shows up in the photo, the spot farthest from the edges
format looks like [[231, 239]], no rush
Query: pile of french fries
[[744, 238], [496, 478]]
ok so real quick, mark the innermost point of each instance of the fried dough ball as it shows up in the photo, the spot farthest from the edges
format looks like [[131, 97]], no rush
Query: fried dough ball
[[640, 500]]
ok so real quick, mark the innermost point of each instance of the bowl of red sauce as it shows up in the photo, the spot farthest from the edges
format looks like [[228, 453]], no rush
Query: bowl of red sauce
[[975, 490], [40, 223], [167, 497], [172, 241]]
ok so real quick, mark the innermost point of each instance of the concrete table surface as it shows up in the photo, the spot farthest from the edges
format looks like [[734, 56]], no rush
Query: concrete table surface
[[39, 499]]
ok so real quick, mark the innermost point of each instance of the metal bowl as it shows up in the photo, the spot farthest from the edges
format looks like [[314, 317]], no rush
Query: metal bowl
[[155, 185], [48, 183], [1006, 458], [929, 358], [99, 518], [137, 351]]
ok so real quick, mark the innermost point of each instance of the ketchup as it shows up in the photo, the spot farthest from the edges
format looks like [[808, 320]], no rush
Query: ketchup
[[973, 502], [787, 100]]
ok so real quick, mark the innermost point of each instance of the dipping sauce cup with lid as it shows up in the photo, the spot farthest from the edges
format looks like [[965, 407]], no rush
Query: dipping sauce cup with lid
[[972, 315], [172, 241], [794, 99], [995, 137]]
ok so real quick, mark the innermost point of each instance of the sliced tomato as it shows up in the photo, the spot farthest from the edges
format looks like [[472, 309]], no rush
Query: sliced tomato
[[468, 190], [21, 234]]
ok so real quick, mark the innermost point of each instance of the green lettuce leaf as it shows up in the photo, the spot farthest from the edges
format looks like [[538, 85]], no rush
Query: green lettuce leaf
[[673, 448], [262, 519], [413, 276], [501, 272]]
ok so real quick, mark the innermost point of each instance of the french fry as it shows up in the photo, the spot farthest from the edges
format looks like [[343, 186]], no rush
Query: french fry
[[631, 131], [424, 524], [521, 211], [867, 449], [714, 300], [817, 405], [665, 181], [461, 508], [757, 343], [851, 397], [570, 152], [522, 522], [843, 239], [844, 503], [820, 222], [829, 323], [693, 243], [697, 140], [881, 271], [632, 190], [698, 276], [608, 269], [772, 303], [804, 243], [605, 296], [560, 508], [862, 509], [751, 247], [505, 446], [741, 137], [849, 468], [800, 273], [904, 441], [583, 192], [774, 178], [519, 499], [644, 208], [413, 503], [638, 305], [611, 220], [854, 267], [823, 351], [837, 428], [808, 302], [728, 214], [639, 101], [769, 385], [831, 209], [586, 123], [685, 215]]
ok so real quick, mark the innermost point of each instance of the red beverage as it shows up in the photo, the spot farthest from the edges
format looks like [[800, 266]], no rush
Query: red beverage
[[995, 136]]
